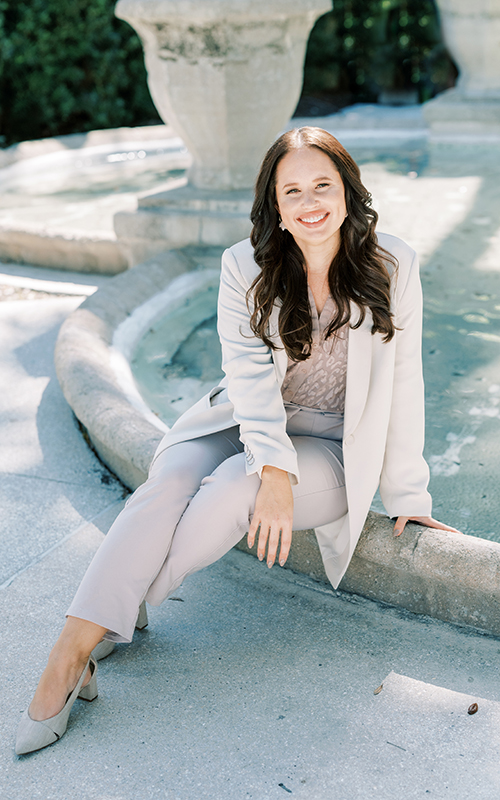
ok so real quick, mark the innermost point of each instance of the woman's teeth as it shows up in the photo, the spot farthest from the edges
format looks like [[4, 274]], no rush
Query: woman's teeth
[[313, 219]]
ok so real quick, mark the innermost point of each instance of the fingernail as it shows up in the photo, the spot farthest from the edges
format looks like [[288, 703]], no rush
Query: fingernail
[[261, 556], [269, 564], [282, 562]]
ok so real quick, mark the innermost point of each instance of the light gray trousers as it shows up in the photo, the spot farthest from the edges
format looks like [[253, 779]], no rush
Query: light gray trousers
[[194, 507]]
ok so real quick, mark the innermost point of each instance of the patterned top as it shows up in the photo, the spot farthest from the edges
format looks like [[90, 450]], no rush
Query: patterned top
[[320, 381]]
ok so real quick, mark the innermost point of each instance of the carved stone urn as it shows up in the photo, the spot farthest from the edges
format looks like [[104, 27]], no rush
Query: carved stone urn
[[471, 30], [227, 75]]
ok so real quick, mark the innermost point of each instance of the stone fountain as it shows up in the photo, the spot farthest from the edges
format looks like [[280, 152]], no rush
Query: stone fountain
[[227, 75], [471, 31]]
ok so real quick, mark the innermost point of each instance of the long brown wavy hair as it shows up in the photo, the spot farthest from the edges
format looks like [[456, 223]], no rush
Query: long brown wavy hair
[[358, 271]]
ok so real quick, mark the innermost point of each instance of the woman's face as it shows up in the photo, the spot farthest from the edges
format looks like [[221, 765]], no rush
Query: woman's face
[[310, 197]]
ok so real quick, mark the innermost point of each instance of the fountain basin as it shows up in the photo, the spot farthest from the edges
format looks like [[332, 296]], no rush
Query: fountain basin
[[93, 350], [441, 574], [59, 196], [178, 358]]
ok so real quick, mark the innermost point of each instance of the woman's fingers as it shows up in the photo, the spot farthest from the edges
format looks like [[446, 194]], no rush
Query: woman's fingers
[[270, 537], [427, 522], [252, 531], [286, 543], [279, 533], [430, 522], [272, 548], [400, 525], [263, 537]]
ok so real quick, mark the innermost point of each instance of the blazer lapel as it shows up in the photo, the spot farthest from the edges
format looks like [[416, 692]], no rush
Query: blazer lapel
[[359, 362], [280, 357]]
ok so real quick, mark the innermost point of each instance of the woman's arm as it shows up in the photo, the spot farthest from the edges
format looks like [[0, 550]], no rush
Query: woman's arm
[[405, 474], [255, 393], [253, 387]]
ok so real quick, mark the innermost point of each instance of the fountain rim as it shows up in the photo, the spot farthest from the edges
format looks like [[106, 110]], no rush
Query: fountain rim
[[92, 369], [198, 14]]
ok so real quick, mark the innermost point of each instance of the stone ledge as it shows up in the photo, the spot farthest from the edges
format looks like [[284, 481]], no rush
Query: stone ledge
[[176, 218], [75, 253], [453, 113], [449, 576], [76, 141]]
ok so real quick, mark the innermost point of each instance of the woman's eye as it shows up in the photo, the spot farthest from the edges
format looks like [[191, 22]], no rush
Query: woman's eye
[[321, 185], [291, 190]]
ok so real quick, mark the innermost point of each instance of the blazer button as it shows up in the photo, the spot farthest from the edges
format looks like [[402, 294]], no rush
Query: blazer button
[[349, 440]]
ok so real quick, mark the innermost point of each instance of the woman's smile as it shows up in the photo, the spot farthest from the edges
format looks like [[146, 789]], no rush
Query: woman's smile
[[315, 220]]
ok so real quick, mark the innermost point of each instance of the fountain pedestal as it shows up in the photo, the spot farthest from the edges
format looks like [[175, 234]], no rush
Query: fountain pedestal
[[180, 217], [227, 75], [472, 34]]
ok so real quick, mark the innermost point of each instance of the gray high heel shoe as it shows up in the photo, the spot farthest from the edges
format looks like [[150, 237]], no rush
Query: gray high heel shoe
[[34, 734], [105, 647]]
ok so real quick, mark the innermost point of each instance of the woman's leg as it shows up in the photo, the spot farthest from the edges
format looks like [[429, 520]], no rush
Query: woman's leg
[[141, 550], [126, 563], [139, 541], [218, 516]]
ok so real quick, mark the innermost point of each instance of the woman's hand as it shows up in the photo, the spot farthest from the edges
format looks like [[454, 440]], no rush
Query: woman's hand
[[427, 522], [273, 515]]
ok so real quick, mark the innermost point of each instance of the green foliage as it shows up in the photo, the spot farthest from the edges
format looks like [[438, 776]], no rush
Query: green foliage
[[365, 47], [67, 66], [70, 65]]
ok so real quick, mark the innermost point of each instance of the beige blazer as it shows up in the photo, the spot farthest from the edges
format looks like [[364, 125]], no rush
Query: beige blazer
[[384, 403]]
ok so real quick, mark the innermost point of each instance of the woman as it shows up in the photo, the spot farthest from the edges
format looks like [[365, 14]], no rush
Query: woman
[[320, 326]]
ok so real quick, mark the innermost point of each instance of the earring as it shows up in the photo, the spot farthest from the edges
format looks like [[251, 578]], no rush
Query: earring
[[281, 225]]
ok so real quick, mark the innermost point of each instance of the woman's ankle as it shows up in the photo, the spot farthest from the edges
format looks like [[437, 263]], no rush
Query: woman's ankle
[[58, 679], [78, 637]]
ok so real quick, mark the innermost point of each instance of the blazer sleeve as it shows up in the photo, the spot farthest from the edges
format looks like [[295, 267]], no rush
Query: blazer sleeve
[[405, 474], [252, 386]]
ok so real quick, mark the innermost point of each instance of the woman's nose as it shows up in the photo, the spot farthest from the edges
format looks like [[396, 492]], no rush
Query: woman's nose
[[309, 199]]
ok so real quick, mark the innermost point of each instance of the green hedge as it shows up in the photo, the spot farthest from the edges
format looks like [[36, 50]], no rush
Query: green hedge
[[67, 66], [365, 47], [70, 65]]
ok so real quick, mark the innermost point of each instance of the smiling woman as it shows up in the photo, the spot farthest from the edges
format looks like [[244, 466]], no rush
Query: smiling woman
[[322, 401], [322, 235]]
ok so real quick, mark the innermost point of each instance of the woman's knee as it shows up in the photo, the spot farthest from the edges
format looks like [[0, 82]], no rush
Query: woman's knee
[[230, 481], [167, 481]]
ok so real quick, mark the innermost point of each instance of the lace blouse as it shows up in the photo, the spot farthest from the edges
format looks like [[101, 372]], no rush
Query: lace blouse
[[319, 382]]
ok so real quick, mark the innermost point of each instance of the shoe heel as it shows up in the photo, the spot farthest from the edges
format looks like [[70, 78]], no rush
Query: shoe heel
[[89, 692], [142, 617], [103, 649]]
